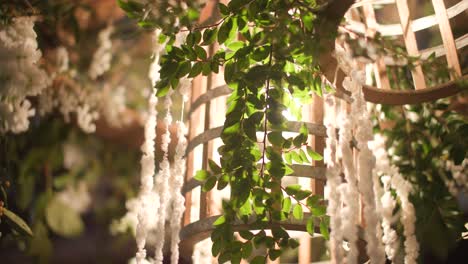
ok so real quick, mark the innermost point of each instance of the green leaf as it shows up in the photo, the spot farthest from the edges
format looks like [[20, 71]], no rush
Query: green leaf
[[224, 30], [258, 260], [293, 189], [286, 205], [216, 248], [209, 36], [318, 210], [297, 212], [274, 254], [247, 249], [214, 167], [201, 52], [312, 201], [223, 9], [16, 222], [293, 243], [310, 226], [221, 220], [313, 155], [184, 69], [62, 219], [246, 234], [196, 69], [201, 175], [324, 230], [236, 45], [303, 156], [279, 232], [209, 184], [302, 194], [276, 138]]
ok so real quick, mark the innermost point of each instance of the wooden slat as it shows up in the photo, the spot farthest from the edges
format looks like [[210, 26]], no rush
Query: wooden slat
[[379, 66], [447, 36], [318, 143], [410, 42], [416, 25]]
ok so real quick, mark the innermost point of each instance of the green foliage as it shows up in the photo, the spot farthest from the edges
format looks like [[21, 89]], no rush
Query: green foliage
[[268, 58], [422, 139]]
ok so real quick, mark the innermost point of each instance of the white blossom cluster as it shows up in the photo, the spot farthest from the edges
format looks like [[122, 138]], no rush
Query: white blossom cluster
[[459, 181], [365, 171], [102, 58], [20, 74], [160, 198], [392, 179]]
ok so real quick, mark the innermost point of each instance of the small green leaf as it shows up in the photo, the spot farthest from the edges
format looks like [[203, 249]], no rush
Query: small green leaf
[[293, 189], [297, 212], [224, 30], [201, 52], [196, 69], [275, 138], [324, 230], [16, 222], [216, 248], [258, 260], [318, 210], [215, 168], [246, 234], [221, 220], [274, 254], [201, 175], [247, 249], [293, 243], [209, 36], [310, 226], [302, 194], [209, 184], [313, 155], [286, 205]]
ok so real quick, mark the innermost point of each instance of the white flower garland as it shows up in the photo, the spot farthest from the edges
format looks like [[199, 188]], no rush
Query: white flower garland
[[148, 203], [393, 179], [20, 75], [162, 182], [177, 180], [332, 193]]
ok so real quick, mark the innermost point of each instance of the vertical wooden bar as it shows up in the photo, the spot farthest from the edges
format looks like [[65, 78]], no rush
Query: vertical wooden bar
[[447, 36], [305, 254], [194, 129], [410, 42], [318, 143], [206, 198], [379, 66]]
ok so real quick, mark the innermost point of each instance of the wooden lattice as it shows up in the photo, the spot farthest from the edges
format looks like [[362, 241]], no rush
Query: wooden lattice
[[207, 107]]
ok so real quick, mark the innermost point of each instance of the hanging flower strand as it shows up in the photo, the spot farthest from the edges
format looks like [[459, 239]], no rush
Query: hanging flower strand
[[332, 192], [162, 182], [148, 202], [177, 179]]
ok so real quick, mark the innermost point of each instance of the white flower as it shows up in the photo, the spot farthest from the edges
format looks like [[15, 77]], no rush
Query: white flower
[[102, 58]]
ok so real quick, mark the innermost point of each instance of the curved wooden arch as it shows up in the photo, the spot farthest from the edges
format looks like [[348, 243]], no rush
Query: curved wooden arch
[[402, 97], [303, 171], [292, 126]]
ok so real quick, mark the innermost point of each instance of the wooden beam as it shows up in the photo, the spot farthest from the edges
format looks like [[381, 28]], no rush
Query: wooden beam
[[447, 36], [410, 42]]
